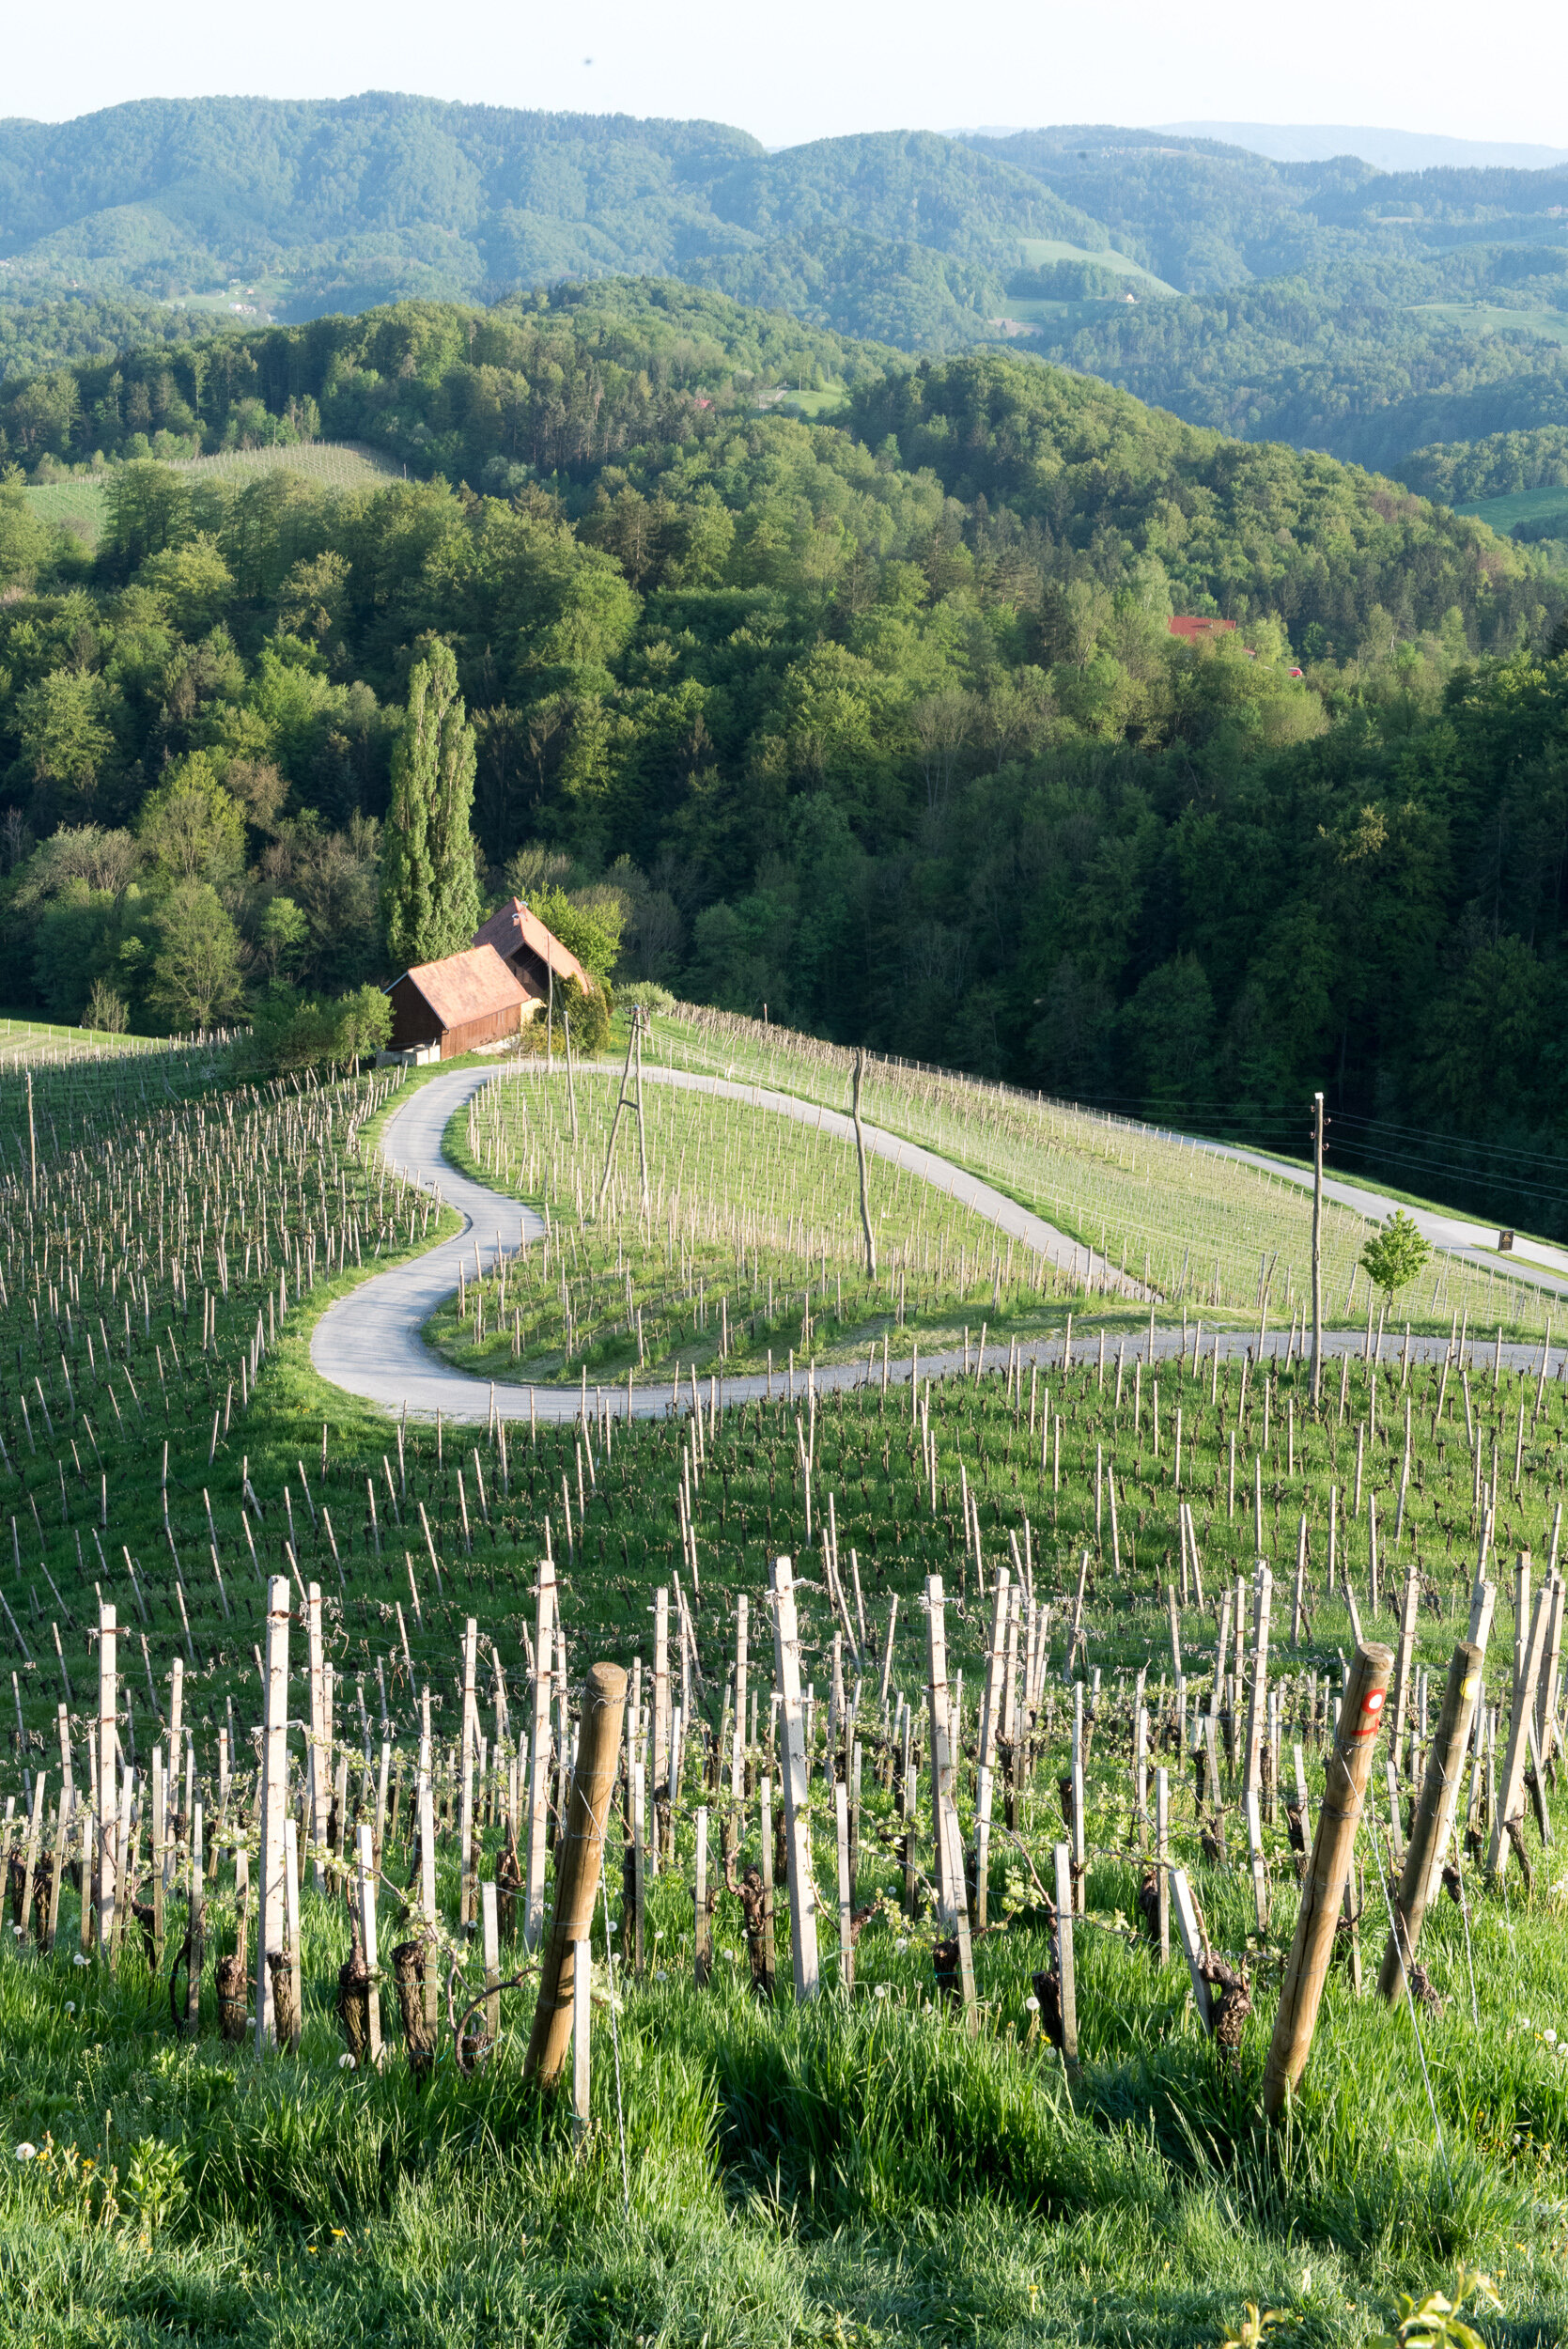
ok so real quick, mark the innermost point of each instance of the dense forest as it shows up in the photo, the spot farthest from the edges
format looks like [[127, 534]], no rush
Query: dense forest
[[878, 720]]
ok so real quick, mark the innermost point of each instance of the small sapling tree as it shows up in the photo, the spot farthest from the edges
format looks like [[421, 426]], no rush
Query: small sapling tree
[[1395, 1255]]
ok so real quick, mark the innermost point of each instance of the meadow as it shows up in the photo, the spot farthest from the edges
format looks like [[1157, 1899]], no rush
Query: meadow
[[891, 2159]]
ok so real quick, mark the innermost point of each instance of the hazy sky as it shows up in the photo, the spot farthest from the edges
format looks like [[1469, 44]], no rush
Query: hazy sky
[[815, 68]]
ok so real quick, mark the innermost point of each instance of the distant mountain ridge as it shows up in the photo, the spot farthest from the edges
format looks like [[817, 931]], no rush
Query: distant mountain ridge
[[338, 204], [1321, 298], [1385, 150]]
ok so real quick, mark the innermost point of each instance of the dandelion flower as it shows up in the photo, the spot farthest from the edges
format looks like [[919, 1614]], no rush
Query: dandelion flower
[[882, 1989], [26, 2151], [1550, 2038], [70, 2006], [78, 1959], [1031, 2004], [345, 2063]]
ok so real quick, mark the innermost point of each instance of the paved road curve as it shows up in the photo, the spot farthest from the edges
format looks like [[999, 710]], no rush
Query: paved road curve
[[369, 1343]]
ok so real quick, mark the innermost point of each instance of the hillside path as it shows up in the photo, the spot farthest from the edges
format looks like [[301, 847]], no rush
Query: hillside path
[[370, 1342]]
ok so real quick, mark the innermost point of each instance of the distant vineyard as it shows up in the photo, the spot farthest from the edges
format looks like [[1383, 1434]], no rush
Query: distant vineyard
[[79, 505]]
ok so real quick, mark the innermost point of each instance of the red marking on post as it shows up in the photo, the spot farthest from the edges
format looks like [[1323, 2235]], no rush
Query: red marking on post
[[1372, 1707]]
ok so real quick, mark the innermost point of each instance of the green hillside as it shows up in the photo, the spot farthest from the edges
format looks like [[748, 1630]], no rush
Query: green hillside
[[1368, 313], [876, 720], [320, 206]]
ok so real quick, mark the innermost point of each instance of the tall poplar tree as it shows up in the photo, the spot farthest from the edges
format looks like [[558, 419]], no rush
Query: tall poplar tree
[[429, 895]]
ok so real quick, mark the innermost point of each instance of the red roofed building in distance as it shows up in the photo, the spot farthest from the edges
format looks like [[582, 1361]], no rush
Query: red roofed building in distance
[[530, 952], [1194, 627], [440, 1009]]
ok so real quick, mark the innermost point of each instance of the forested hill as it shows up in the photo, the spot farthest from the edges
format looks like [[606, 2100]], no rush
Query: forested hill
[[1368, 313], [309, 206], [878, 720]]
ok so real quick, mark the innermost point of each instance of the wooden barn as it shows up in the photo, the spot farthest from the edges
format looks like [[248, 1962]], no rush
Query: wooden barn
[[530, 952], [442, 1008]]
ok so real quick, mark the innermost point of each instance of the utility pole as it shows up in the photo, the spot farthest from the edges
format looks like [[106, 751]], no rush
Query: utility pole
[[1317, 1247], [865, 1186]]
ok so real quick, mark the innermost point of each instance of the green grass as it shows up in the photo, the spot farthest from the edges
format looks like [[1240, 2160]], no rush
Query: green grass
[[1038, 250], [856, 2173], [1494, 318], [1521, 506], [814, 405]]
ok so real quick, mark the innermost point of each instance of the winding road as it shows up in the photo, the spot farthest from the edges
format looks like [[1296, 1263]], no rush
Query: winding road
[[372, 1344]]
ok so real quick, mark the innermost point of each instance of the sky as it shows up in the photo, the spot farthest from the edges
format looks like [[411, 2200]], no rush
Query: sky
[[818, 68]]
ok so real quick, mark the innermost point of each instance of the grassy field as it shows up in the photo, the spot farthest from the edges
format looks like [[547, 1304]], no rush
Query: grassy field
[[1523, 505], [80, 505], [857, 2170], [1493, 318]]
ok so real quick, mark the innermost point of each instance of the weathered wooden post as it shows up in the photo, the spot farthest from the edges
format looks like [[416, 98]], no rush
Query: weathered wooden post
[[1257, 1695], [1328, 1871], [471, 1741], [368, 1940], [1434, 1820], [581, 2035], [866, 1226], [273, 1804], [702, 1937], [802, 1885], [538, 1762], [578, 1854], [1162, 1857], [1192, 1947], [320, 1754], [108, 1808], [1064, 1973], [949, 1858], [1523, 1720], [991, 1715]]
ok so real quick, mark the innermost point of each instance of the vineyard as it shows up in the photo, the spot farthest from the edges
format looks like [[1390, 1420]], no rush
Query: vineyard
[[850, 1860], [1207, 1230]]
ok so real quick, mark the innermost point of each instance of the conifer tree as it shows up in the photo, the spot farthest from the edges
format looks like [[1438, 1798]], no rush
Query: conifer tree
[[429, 894]]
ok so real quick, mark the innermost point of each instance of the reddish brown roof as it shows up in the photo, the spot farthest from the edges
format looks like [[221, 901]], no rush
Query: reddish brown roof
[[466, 987], [512, 929], [1192, 625]]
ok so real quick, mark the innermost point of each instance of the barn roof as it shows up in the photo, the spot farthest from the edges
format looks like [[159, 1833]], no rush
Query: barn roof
[[466, 987], [512, 929]]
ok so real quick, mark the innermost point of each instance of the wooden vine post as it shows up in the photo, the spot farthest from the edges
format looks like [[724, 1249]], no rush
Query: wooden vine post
[[1531, 1647], [865, 1179], [1434, 1820], [273, 1808], [1327, 1871], [579, 1854], [108, 1810], [944, 1817], [538, 1760], [802, 1885]]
